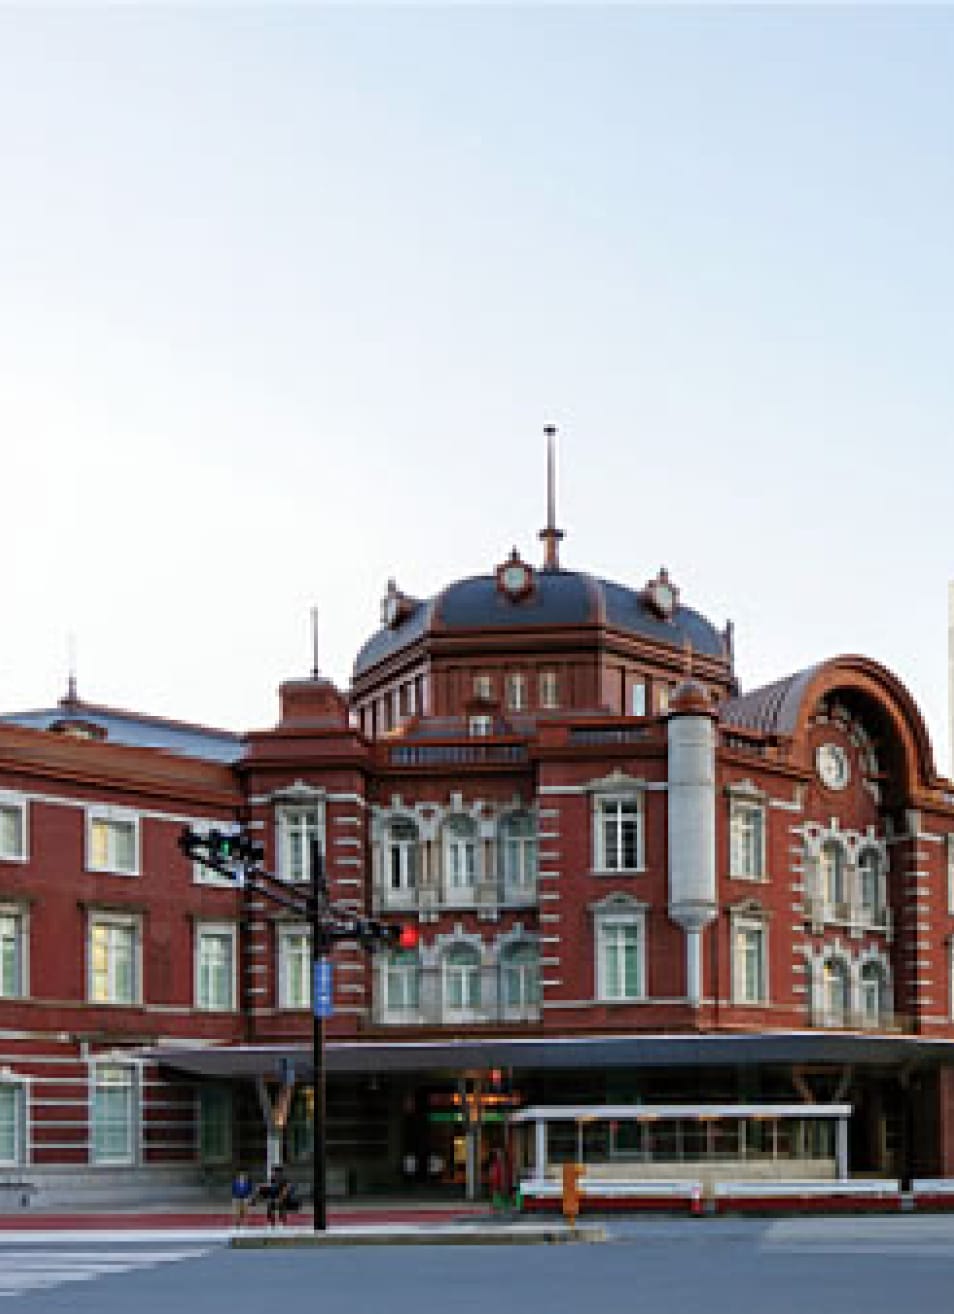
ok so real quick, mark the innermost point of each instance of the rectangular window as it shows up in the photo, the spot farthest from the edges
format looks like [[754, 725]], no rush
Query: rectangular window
[[516, 692], [12, 954], [215, 968], [620, 958], [749, 962], [549, 693], [12, 1116], [114, 1113], [112, 842], [662, 698], [637, 698], [402, 985], [618, 834], [13, 829], [483, 686], [297, 828], [481, 726], [294, 967], [113, 972], [747, 840], [215, 1124]]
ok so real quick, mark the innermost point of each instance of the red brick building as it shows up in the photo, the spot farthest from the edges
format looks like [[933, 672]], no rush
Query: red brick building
[[634, 885]]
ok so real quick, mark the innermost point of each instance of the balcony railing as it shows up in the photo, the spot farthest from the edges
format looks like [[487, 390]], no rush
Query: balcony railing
[[459, 754], [490, 894]]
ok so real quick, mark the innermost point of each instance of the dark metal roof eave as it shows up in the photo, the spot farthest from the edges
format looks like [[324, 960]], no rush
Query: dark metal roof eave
[[559, 1053]]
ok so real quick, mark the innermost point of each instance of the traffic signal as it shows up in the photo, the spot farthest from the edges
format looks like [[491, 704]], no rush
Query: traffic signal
[[407, 936], [220, 848]]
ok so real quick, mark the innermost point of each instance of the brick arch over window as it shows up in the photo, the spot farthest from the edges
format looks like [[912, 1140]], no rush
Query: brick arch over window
[[871, 692]]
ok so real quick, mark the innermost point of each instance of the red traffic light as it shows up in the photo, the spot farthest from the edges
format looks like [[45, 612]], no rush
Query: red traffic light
[[408, 936]]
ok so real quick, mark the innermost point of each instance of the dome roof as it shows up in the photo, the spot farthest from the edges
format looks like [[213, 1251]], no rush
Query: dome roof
[[558, 598]]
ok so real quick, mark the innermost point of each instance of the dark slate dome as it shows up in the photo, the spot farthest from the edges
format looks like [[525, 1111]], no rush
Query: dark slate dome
[[559, 598]]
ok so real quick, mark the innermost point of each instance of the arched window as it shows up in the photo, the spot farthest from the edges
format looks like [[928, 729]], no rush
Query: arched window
[[462, 980], [874, 994], [460, 853], [869, 885], [520, 977], [402, 855], [518, 850], [402, 982], [833, 874], [835, 988]]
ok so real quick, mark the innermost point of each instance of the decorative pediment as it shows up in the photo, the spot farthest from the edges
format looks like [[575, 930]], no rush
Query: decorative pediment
[[617, 782], [299, 792]]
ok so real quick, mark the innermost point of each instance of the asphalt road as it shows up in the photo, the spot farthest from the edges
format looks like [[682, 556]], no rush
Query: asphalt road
[[798, 1266]]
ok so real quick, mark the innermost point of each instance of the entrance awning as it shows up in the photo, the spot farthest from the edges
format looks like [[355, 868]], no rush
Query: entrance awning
[[536, 1053]]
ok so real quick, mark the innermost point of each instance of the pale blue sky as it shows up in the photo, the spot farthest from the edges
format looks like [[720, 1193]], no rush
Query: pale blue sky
[[286, 296]]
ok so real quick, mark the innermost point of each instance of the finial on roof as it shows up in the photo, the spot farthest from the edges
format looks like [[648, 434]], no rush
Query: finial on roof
[[71, 694], [551, 535], [315, 671]]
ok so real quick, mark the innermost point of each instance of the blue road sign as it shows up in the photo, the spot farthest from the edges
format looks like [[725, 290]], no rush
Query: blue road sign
[[323, 988]]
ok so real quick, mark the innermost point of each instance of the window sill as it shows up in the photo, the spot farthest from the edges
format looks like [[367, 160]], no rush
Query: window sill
[[112, 871], [630, 999], [19, 858], [617, 871], [751, 880]]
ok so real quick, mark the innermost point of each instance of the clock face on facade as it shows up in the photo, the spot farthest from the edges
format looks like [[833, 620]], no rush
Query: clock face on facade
[[831, 762]]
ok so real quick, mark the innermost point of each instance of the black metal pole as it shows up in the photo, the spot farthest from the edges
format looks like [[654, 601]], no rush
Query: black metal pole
[[320, 947]]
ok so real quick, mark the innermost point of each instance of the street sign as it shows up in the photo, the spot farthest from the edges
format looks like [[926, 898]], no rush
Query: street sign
[[322, 988]]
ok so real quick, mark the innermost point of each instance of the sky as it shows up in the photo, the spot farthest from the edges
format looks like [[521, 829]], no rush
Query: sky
[[287, 295]]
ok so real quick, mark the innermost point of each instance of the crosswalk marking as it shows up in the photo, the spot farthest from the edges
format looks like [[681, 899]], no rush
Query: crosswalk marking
[[37, 1270]]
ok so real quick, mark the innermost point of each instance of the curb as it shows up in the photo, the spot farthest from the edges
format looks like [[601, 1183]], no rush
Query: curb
[[537, 1236]]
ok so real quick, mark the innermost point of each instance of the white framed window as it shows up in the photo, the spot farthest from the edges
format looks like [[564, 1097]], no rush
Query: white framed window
[[621, 956], [115, 1113], [833, 877], [13, 828], [297, 826], [517, 844], [746, 840], [874, 999], [462, 985], [836, 991], [294, 966], [520, 978], [215, 967], [483, 686], [749, 960], [480, 726], [402, 983], [662, 698], [112, 841], [549, 690], [401, 857], [618, 833], [14, 952], [113, 957], [637, 698], [516, 692], [215, 1124], [870, 887], [460, 854], [13, 1106]]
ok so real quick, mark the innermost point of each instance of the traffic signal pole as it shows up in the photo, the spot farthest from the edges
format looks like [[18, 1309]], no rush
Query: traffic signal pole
[[226, 853], [319, 950]]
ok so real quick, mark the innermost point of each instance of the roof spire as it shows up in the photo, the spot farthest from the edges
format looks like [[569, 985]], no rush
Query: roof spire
[[315, 672], [71, 694], [551, 535]]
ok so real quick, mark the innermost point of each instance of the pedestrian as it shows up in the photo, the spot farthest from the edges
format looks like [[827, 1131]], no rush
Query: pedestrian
[[278, 1197], [242, 1191]]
